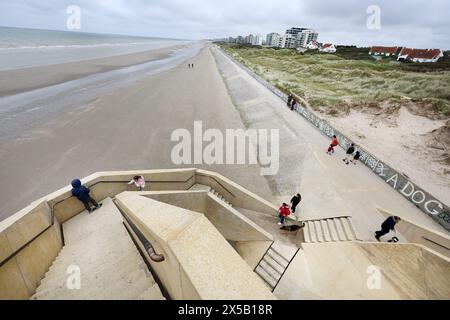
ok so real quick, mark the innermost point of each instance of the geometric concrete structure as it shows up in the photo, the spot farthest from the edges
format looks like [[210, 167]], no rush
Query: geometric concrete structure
[[194, 234]]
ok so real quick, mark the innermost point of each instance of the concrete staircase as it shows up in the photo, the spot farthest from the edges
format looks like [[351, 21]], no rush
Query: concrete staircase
[[109, 263], [202, 187], [335, 229], [273, 265]]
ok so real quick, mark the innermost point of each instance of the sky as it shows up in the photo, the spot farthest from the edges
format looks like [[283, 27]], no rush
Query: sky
[[412, 23]]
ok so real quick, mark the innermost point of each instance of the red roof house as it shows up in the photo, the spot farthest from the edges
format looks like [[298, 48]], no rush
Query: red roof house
[[383, 51], [420, 55]]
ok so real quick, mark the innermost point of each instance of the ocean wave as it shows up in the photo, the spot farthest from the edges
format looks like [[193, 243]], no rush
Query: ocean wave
[[49, 47]]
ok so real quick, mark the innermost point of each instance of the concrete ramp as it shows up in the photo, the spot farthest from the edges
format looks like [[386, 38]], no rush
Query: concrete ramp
[[348, 271], [99, 248], [198, 263]]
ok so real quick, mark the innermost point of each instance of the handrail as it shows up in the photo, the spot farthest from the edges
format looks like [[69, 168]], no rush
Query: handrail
[[145, 242], [52, 215], [218, 182], [436, 243]]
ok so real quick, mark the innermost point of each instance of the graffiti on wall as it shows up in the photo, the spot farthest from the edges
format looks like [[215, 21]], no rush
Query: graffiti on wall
[[418, 196]]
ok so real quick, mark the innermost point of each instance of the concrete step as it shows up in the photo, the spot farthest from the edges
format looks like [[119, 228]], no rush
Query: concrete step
[[110, 264], [266, 277], [152, 293], [329, 230], [88, 271], [319, 233], [270, 270], [274, 264], [339, 230], [326, 231], [332, 230], [307, 232]]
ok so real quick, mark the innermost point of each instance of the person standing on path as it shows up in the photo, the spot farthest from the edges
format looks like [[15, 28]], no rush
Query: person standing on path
[[295, 202], [334, 143], [294, 104], [387, 226], [289, 99], [349, 153], [356, 158], [82, 193]]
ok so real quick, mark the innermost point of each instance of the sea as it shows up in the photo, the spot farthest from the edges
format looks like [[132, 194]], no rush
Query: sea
[[23, 48]]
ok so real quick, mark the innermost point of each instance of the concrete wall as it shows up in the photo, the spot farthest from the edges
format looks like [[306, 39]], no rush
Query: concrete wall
[[22, 273], [199, 263], [234, 193], [343, 270], [411, 191]]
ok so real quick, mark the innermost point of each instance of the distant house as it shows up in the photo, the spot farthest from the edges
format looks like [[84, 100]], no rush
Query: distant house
[[328, 48], [312, 45], [383, 51], [420, 55]]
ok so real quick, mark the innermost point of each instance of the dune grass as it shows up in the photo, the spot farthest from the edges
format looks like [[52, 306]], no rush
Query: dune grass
[[349, 78]]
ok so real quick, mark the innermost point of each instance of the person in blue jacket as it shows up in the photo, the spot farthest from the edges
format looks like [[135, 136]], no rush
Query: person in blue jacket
[[82, 193]]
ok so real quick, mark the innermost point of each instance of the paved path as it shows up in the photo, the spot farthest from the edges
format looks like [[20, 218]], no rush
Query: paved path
[[328, 186]]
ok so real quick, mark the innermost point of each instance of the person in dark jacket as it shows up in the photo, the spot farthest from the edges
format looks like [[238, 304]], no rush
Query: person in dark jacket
[[294, 104], [295, 201], [356, 158], [289, 99], [387, 226], [349, 153], [82, 193]]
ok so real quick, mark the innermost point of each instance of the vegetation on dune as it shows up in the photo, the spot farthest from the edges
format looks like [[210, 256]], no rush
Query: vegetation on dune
[[334, 83]]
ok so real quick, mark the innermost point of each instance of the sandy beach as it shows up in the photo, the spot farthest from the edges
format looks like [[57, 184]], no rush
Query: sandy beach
[[27, 79], [124, 129]]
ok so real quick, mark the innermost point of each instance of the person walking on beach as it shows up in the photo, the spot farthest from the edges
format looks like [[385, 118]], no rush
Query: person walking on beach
[[82, 193], [334, 143], [387, 226], [283, 212], [356, 158], [349, 153], [139, 182]]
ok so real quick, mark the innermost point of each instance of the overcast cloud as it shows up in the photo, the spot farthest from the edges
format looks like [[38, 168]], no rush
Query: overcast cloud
[[406, 23]]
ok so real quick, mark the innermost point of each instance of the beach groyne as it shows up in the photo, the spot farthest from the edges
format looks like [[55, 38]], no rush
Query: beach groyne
[[422, 199]]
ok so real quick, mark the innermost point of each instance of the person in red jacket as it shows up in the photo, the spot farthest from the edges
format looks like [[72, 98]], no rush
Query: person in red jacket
[[334, 143], [283, 212]]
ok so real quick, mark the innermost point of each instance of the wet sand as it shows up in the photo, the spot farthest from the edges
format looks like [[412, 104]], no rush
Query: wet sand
[[128, 128], [22, 80]]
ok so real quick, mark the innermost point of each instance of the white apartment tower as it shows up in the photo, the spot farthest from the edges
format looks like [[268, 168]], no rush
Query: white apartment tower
[[300, 37]]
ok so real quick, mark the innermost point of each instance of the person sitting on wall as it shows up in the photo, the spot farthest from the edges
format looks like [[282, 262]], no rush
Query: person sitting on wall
[[387, 226], [83, 194]]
